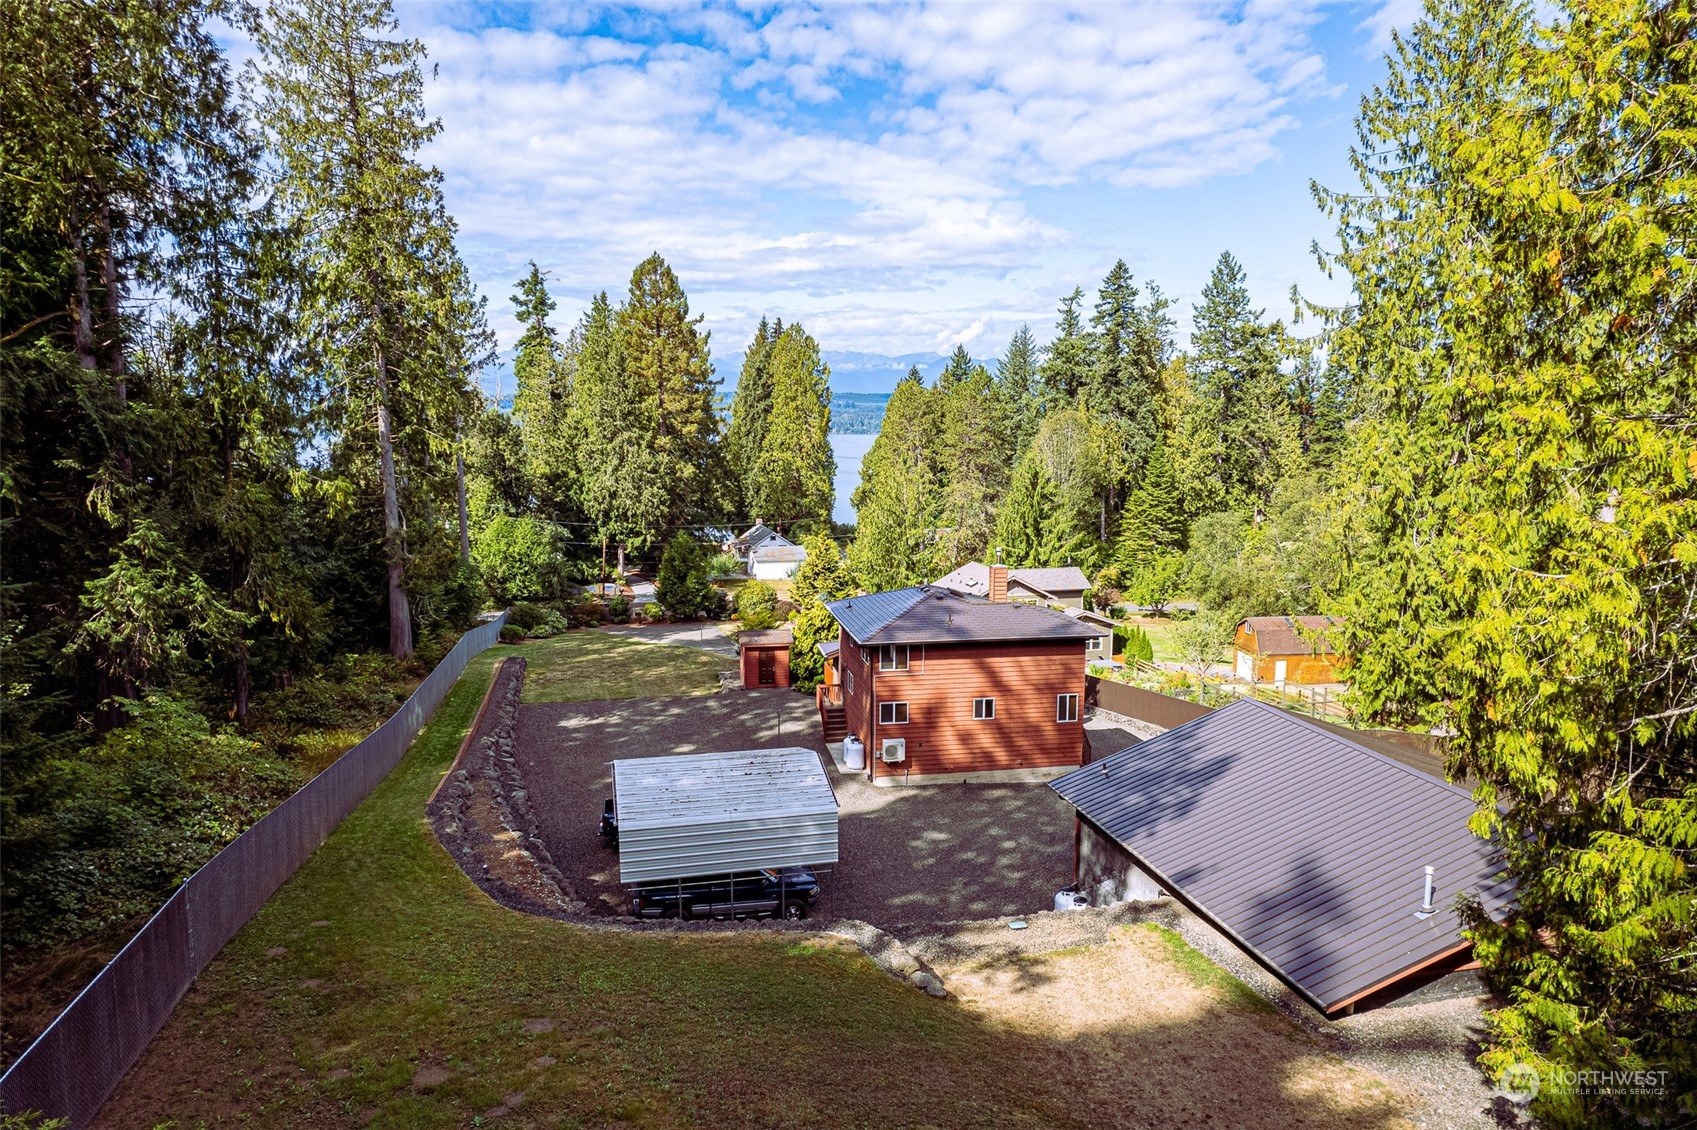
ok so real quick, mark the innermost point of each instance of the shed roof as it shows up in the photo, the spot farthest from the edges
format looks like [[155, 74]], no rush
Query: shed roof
[[828, 648], [973, 578], [712, 813], [768, 637], [1292, 635], [1305, 848], [929, 614], [772, 550]]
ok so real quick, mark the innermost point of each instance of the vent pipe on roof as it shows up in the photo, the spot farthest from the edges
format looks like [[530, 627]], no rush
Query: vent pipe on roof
[[1426, 908]]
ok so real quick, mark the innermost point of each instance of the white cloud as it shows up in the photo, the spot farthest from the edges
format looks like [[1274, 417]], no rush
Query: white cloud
[[822, 155]]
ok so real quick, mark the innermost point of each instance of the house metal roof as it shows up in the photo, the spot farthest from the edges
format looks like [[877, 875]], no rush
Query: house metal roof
[[707, 814], [928, 614], [1305, 848], [828, 648], [1291, 635], [973, 578]]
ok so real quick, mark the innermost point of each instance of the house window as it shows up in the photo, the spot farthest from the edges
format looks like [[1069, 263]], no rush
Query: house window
[[892, 657], [983, 709], [848, 682], [1066, 708], [1094, 643], [892, 713]]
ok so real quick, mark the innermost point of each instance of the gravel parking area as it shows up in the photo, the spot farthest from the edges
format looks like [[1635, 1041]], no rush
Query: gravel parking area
[[911, 857]]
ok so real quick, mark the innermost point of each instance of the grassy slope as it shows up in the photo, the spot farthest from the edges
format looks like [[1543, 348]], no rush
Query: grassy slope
[[380, 961]]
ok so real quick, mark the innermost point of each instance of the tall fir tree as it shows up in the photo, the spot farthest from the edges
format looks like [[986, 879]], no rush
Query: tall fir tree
[[795, 474], [542, 396], [666, 360], [1129, 345], [897, 497], [1066, 360], [1018, 388], [976, 451], [751, 406], [343, 105], [1239, 436]]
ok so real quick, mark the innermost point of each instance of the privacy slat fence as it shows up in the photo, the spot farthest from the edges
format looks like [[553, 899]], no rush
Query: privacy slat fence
[[71, 1069], [1158, 709]]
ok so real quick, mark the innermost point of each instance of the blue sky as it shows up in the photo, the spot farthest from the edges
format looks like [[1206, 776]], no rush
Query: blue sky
[[900, 178]]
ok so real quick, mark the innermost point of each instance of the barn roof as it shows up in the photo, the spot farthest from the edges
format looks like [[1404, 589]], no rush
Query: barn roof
[[929, 614], [1292, 635], [1305, 848]]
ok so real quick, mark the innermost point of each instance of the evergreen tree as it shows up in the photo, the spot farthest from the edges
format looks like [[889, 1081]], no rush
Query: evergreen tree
[[344, 108], [822, 578], [975, 454], [622, 486], [1240, 437], [795, 474], [542, 397], [1129, 345], [894, 535], [1153, 522], [681, 587], [1066, 362], [960, 367], [1018, 388], [750, 408], [1522, 473], [666, 361], [1033, 531]]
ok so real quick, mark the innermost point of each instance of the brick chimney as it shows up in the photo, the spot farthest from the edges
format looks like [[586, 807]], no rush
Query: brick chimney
[[999, 580]]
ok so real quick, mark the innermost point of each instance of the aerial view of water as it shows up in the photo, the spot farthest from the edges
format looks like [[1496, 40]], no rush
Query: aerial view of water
[[849, 451]]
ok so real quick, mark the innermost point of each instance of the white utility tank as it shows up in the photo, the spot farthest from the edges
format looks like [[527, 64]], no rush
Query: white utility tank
[[854, 754], [1071, 900]]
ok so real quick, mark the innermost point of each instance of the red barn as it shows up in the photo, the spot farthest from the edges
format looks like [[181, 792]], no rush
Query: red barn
[[938, 682]]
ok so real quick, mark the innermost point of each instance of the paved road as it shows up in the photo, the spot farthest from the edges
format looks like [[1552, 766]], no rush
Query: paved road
[[705, 636]]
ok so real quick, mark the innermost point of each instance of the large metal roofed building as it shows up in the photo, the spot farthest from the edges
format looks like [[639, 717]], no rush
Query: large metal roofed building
[[1306, 849], [703, 814]]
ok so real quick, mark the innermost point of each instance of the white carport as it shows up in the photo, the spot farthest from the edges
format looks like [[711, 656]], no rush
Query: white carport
[[717, 813]]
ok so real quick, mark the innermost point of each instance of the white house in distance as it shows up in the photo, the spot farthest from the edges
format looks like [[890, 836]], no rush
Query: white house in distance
[[766, 554]]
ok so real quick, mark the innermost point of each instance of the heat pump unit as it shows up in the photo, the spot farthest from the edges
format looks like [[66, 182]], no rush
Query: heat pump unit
[[894, 749]]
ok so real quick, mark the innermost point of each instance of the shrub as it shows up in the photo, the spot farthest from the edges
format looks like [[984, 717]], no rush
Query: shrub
[[511, 633], [618, 609], [1134, 643], [520, 558], [461, 597], [757, 606], [682, 587], [102, 834], [527, 615], [724, 564]]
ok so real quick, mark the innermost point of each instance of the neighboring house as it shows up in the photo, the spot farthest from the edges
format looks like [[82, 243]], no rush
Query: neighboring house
[[936, 682], [1306, 849], [757, 535], [1286, 649], [775, 560], [1064, 586], [1100, 647]]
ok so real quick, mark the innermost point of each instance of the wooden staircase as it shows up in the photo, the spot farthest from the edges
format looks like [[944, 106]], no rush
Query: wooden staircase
[[833, 717]]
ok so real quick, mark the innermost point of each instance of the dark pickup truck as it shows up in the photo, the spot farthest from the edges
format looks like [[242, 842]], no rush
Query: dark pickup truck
[[788, 892]]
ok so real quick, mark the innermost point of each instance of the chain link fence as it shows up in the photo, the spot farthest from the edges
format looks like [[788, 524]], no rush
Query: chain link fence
[[71, 1069]]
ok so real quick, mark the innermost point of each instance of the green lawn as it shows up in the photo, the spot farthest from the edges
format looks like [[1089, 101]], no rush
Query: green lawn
[[1160, 630], [591, 664], [380, 960]]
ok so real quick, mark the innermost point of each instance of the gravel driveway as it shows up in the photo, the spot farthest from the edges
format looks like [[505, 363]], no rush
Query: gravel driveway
[[910, 856]]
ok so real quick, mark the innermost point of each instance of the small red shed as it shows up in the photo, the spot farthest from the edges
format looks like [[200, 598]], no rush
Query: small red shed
[[765, 658]]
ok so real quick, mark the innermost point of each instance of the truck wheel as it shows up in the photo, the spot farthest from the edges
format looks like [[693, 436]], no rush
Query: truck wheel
[[795, 911]]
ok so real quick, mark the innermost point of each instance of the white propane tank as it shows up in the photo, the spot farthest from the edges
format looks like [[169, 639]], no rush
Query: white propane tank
[[1070, 899], [854, 754]]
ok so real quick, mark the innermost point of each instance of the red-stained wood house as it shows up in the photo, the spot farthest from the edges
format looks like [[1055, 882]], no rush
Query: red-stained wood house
[[940, 683]]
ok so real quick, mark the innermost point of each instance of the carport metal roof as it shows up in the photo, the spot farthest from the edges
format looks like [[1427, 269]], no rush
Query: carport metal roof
[[705, 814], [1305, 848]]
